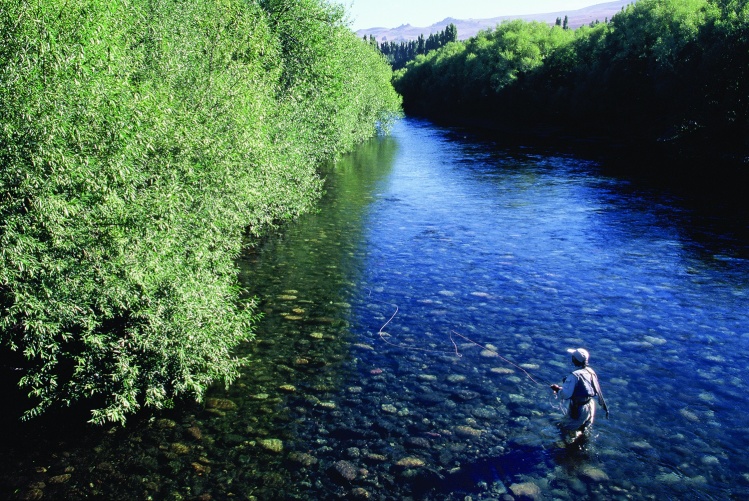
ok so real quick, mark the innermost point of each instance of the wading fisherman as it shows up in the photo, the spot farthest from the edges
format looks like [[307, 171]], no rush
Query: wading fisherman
[[580, 387]]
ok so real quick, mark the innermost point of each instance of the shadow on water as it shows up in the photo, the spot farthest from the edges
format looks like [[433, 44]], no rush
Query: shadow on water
[[502, 473], [704, 197], [521, 460]]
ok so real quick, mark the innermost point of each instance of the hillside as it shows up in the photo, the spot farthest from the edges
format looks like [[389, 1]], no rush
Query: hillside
[[469, 27]]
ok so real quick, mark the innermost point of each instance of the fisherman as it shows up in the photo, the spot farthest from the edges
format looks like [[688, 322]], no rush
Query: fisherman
[[580, 387]]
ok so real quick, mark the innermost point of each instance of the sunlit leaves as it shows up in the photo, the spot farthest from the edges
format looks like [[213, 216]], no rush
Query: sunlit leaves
[[663, 70], [140, 141], [465, 73]]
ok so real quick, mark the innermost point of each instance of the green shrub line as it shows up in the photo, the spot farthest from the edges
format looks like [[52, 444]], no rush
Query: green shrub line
[[140, 142], [670, 74]]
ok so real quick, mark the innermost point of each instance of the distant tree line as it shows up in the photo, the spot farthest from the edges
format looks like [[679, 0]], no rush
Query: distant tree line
[[399, 54], [671, 72]]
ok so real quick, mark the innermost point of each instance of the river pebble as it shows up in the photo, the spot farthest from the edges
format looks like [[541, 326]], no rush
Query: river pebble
[[526, 491], [179, 448], [194, 432], [360, 493], [468, 432], [410, 462], [272, 444], [594, 474], [59, 479], [303, 458], [222, 404], [344, 471]]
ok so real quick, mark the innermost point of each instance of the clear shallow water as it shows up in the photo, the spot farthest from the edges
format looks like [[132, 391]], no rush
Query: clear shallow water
[[361, 385]]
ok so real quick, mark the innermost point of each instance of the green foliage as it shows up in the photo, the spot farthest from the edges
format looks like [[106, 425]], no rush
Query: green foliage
[[671, 71], [399, 54], [467, 75], [139, 142]]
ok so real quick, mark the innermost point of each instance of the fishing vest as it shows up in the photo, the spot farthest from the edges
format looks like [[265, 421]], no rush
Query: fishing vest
[[584, 387]]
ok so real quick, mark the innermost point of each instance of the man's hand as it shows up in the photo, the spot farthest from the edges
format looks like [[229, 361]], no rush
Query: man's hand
[[556, 387]]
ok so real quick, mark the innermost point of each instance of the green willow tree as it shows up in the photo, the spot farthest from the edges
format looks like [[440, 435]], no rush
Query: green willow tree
[[140, 142], [668, 73], [469, 75]]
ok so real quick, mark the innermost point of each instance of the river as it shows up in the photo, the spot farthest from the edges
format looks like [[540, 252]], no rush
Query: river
[[413, 325]]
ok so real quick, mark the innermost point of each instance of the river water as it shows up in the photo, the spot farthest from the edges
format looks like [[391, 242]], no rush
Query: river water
[[411, 329]]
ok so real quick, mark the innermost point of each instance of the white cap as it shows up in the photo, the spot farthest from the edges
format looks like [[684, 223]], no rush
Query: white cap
[[580, 354]]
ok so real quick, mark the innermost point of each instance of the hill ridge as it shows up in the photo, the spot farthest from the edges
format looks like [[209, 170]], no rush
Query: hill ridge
[[468, 28]]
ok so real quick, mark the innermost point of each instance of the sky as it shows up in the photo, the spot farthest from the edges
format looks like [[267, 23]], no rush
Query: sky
[[420, 13]]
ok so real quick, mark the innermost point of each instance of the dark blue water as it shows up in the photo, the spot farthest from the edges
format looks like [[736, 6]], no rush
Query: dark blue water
[[367, 380], [529, 254]]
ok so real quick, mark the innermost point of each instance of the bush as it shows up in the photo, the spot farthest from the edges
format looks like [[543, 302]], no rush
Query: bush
[[139, 143]]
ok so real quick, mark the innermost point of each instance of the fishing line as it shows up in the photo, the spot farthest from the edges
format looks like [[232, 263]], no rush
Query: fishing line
[[545, 383], [382, 334]]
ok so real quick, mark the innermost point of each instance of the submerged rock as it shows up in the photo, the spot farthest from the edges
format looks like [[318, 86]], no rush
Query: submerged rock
[[594, 474], [106, 467], [303, 458], [363, 346], [419, 442], [165, 424], [272, 444], [60, 479], [389, 408], [410, 462], [360, 493], [343, 471], [378, 458], [689, 415], [33, 494], [465, 395], [201, 469], [430, 398], [179, 448], [194, 432], [221, 404], [467, 432], [501, 370], [526, 490]]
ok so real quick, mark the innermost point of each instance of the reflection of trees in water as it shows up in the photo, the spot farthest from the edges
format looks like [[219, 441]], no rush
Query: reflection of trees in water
[[304, 277]]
